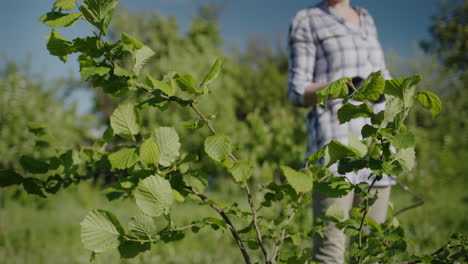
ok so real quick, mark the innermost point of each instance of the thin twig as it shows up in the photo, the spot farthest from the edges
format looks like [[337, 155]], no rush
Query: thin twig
[[226, 219], [283, 232], [246, 187], [366, 210]]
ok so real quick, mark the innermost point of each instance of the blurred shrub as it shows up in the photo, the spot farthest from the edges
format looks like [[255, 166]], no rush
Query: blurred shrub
[[26, 105]]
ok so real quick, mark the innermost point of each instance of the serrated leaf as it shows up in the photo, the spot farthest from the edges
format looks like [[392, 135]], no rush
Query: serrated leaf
[[218, 147], [9, 177], [406, 157], [149, 152], [402, 140], [99, 12], [58, 45], [241, 171], [124, 120], [33, 165], [141, 57], [58, 19], [131, 249], [349, 111], [91, 46], [337, 89], [160, 85], [87, 72], [101, 231], [355, 143], [397, 87], [430, 101], [154, 196], [316, 156], [143, 227], [335, 151], [129, 43], [335, 212], [168, 143], [393, 107], [301, 182], [187, 84], [123, 159], [178, 197], [213, 73], [34, 186], [65, 4], [372, 88], [368, 131]]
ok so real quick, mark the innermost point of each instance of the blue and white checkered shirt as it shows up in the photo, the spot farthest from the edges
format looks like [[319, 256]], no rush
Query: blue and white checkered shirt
[[324, 47]]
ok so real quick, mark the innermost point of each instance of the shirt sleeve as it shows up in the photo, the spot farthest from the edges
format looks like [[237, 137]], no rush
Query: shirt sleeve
[[376, 52], [302, 52]]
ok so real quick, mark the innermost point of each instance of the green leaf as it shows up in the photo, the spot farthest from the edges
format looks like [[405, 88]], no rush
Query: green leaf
[[178, 197], [241, 171], [218, 147], [372, 88], [143, 227], [398, 87], [355, 143], [124, 120], [430, 101], [406, 157], [101, 231], [141, 57], [160, 85], [335, 151], [301, 182], [33, 165], [349, 111], [58, 19], [316, 156], [9, 177], [213, 73], [196, 180], [33, 186], [123, 159], [337, 89], [154, 196], [149, 152], [65, 4], [129, 43], [335, 212], [335, 187], [58, 45], [91, 46], [168, 143], [131, 249], [368, 131], [99, 12], [393, 107], [87, 72], [402, 140], [187, 84]]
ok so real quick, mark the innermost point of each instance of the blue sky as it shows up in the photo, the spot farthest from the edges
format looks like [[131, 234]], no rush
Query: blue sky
[[401, 23]]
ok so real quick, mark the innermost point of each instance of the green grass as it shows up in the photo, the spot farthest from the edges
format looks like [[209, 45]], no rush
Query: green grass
[[35, 230]]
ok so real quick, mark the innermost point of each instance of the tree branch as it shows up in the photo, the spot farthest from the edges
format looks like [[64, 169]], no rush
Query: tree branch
[[226, 219], [246, 186]]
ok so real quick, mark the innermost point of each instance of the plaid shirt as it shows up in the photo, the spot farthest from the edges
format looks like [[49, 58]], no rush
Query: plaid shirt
[[324, 47]]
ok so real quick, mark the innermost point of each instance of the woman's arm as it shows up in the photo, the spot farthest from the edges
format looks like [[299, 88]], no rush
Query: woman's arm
[[310, 98], [302, 52]]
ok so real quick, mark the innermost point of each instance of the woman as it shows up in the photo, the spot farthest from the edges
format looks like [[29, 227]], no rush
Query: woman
[[327, 42]]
